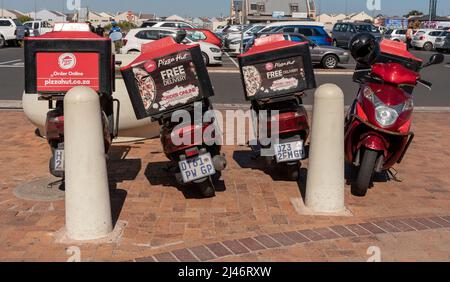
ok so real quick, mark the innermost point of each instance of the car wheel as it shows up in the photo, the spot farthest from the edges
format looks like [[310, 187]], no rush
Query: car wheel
[[2, 42], [205, 58], [330, 62], [133, 52], [428, 46]]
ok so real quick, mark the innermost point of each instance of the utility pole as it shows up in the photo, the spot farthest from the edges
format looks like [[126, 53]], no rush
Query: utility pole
[[35, 9]]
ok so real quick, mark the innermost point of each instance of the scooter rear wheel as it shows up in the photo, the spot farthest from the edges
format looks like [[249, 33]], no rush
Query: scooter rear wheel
[[293, 171], [365, 173]]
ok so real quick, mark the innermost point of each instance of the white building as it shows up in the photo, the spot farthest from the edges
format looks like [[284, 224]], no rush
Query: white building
[[360, 17], [49, 16], [128, 16], [175, 18]]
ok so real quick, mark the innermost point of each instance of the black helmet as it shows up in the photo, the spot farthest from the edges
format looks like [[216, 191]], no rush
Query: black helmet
[[365, 48]]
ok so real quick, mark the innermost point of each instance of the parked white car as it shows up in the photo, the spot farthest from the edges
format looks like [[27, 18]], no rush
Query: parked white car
[[38, 27], [169, 24], [212, 55], [396, 35], [11, 31], [440, 42], [425, 39]]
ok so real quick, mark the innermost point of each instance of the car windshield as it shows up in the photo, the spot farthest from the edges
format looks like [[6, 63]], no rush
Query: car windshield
[[366, 28], [17, 22], [389, 32]]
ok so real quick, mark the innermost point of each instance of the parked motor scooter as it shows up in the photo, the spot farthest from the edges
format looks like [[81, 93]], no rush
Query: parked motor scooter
[[293, 131], [275, 74], [197, 162], [378, 125], [68, 65]]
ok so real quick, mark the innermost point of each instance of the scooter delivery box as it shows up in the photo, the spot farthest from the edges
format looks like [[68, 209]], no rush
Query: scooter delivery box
[[397, 52], [60, 60], [166, 77], [275, 67]]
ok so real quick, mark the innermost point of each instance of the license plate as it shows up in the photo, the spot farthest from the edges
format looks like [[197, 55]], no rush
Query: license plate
[[287, 152], [59, 160], [197, 168]]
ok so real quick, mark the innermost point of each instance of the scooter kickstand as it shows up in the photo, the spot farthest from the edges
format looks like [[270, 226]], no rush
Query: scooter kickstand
[[392, 173], [50, 185]]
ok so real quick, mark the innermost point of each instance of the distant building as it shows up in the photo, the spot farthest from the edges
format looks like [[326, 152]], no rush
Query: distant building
[[203, 23], [277, 10], [176, 18], [49, 16], [12, 14], [128, 16]]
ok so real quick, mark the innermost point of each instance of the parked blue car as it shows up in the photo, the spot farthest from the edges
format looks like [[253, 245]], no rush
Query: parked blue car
[[315, 33]]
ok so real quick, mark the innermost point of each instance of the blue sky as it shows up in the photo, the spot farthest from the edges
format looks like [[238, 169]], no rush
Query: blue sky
[[218, 7]]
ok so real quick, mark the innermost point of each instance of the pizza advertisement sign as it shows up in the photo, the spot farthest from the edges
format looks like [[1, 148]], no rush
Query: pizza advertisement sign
[[163, 84], [274, 78], [275, 67], [58, 72]]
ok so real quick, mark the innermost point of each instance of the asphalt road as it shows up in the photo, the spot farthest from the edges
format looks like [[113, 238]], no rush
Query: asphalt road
[[228, 85]]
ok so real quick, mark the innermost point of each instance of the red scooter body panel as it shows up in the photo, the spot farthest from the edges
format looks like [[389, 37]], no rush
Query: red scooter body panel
[[395, 74]]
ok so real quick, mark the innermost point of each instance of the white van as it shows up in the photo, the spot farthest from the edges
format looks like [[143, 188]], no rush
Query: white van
[[38, 27]]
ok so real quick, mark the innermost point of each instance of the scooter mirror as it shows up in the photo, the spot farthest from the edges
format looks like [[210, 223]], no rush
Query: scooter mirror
[[116, 36], [436, 59]]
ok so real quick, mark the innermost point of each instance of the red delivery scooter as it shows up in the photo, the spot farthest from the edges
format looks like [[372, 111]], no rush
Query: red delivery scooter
[[275, 73], [167, 83], [377, 129], [55, 63]]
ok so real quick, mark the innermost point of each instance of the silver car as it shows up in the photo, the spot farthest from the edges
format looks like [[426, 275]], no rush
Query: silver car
[[329, 57]]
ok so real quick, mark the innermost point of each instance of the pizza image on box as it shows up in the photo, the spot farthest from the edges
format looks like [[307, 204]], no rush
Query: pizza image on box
[[146, 85], [252, 79]]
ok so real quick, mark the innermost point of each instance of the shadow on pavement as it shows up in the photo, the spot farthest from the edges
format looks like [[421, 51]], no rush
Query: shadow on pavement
[[163, 173], [120, 169]]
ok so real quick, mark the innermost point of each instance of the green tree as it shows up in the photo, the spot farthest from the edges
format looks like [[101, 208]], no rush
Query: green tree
[[413, 13], [24, 18]]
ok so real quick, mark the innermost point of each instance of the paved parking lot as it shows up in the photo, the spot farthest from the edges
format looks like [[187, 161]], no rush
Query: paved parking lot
[[253, 217]]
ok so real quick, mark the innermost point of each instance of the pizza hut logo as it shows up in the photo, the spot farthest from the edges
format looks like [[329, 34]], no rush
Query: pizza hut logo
[[269, 67], [150, 66], [67, 61]]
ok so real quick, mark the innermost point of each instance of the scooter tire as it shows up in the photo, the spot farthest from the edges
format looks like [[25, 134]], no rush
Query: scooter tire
[[365, 173], [293, 172], [207, 188]]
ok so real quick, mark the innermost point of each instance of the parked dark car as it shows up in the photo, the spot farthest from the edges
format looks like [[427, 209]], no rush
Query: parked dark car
[[344, 32], [315, 33], [442, 44], [328, 57]]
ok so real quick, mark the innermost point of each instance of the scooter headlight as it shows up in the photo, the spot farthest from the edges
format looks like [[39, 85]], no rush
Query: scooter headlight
[[386, 116]]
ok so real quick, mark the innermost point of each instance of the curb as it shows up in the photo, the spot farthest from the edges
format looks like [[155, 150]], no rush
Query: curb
[[10, 105], [238, 247]]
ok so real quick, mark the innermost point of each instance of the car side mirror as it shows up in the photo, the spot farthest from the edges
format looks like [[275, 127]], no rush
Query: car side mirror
[[180, 36], [436, 59]]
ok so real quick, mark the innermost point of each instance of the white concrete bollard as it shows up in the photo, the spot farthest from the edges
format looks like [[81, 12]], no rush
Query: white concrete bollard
[[326, 179], [88, 207]]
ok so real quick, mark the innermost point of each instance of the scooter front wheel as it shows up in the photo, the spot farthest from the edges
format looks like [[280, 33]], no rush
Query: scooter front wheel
[[365, 173]]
